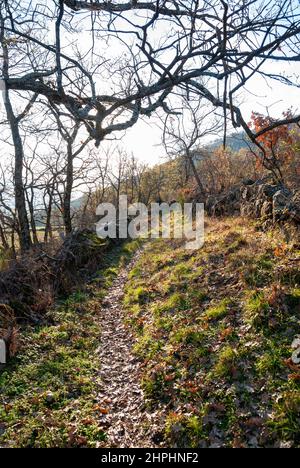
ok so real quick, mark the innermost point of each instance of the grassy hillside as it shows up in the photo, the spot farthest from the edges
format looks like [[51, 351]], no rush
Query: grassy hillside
[[214, 329], [49, 392]]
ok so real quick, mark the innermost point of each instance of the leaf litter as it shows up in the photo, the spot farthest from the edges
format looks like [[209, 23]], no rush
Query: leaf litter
[[124, 414]]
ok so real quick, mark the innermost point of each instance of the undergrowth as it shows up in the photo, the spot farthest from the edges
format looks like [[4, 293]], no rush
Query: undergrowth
[[214, 329], [49, 392]]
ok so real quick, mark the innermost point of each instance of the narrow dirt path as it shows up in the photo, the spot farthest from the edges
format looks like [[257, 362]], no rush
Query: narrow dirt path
[[128, 423]]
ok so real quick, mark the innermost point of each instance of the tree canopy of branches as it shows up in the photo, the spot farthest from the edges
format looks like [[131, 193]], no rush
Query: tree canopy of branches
[[106, 63], [99, 66]]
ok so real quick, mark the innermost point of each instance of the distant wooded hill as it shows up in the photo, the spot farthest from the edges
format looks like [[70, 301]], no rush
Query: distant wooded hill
[[235, 142]]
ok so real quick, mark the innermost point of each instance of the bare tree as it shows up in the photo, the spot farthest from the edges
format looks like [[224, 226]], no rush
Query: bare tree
[[183, 135], [14, 124], [117, 172], [213, 48], [109, 63], [8, 218], [73, 149], [102, 160], [29, 190]]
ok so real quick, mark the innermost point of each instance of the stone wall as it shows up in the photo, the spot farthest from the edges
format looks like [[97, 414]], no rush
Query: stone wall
[[262, 199]]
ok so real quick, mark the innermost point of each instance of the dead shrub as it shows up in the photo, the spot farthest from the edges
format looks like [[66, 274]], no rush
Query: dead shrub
[[26, 287], [81, 254], [29, 285]]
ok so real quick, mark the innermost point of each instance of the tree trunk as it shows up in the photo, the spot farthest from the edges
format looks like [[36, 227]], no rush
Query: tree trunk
[[20, 200], [68, 190], [3, 239], [48, 226], [32, 219], [195, 172], [13, 243]]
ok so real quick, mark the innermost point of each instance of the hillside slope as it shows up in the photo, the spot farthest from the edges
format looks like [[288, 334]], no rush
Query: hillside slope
[[215, 330], [235, 142], [211, 332]]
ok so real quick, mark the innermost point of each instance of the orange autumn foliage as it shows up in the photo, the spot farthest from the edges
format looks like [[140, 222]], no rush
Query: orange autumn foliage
[[281, 144]]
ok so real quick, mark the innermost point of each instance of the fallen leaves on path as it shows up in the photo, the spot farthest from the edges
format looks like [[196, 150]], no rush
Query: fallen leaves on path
[[122, 407]]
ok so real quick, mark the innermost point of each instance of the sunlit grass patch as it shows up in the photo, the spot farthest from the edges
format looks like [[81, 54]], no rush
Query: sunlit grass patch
[[225, 317], [185, 431], [165, 323], [135, 295], [153, 385], [188, 335], [271, 361], [136, 272], [285, 420], [174, 303], [257, 310], [269, 310], [148, 345], [227, 362], [218, 311], [48, 391]]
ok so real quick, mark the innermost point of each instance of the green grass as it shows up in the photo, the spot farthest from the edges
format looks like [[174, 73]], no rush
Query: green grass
[[215, 335], [184, 431], [272, 361], [227, 362], [260, 271], [147, 346], [257, 310], [286, 416], [174, 303], [219, 311], [188, 335], [49, 392]]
